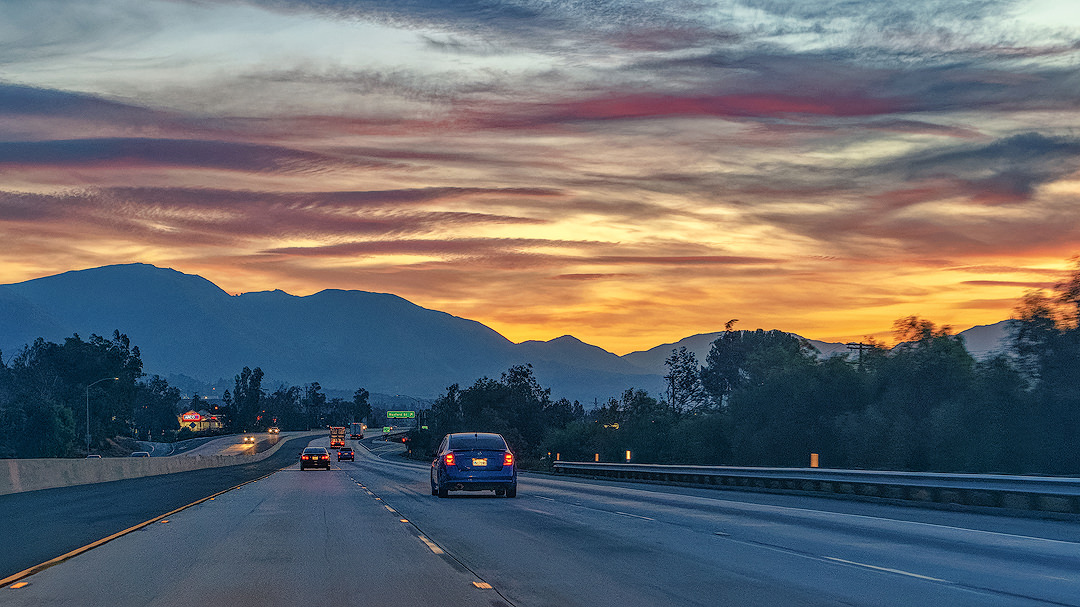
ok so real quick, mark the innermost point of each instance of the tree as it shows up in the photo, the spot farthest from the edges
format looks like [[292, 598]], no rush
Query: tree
[[313, 403], [50, 386], [920, 388], [361, 407], [247, 398], [156, 409], [684, 390], [1046, 343], [727, 364]]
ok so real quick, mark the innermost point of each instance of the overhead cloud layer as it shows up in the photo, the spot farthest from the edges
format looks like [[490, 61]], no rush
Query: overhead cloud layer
[[627, 171]]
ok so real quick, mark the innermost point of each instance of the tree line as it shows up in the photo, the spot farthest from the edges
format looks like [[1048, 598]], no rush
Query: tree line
[[760, 398], [49, 392], [767, 398]]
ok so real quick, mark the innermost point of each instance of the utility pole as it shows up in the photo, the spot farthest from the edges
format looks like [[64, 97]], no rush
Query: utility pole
[[860, 347]]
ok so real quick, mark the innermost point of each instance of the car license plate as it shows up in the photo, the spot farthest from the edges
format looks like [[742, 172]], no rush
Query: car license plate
[[479, 461]]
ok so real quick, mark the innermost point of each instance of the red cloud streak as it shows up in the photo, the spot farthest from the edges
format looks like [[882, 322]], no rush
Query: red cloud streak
[[646, 106]]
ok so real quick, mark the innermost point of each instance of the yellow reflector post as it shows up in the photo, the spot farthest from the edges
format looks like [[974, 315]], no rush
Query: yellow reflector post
[[813, 460]]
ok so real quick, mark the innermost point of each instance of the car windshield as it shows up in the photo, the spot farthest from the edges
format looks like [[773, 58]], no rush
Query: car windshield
[[462, 442]]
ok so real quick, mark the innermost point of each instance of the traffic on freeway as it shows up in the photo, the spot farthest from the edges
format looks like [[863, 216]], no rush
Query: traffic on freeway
[[371, 532]]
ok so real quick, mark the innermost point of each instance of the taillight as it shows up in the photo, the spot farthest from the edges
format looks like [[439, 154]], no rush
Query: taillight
[[449, 458], [508, 459]]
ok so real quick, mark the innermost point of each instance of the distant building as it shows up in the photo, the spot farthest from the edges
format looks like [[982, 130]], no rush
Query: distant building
[[199, 421]]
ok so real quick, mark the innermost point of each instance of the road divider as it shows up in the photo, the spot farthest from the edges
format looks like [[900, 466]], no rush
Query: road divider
[[18, 475], [1044, 494]]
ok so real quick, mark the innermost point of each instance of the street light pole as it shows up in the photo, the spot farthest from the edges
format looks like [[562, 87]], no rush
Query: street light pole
[[88, 408]]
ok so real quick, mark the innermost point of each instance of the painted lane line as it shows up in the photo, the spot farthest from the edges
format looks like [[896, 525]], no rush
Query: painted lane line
[[887, 569], [431, 545], [895, 521], [635, 516], [745, 508], [550, 499]]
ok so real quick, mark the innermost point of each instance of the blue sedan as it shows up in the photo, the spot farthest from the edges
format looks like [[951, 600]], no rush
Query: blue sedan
[[474, 461]]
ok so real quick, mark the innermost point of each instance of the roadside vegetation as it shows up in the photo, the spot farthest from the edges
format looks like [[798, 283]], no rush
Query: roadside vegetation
[[765, 398], [48, 389], [760, 398]]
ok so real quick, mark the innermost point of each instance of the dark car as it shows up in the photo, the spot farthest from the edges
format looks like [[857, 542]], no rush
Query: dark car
[[346, 453], [474, 461], [315, 457]]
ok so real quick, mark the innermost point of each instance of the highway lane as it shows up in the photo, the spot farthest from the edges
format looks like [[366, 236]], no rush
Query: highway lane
[[37, 526], [294, 538], [572, 542], [318, 537]]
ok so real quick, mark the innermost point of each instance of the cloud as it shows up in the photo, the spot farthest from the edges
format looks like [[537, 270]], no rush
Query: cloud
[[823, 165], [1004, 171], [684, 260], [591, 277], [192, 153], [214, 216], [455, 247], [530, 24], [1009, 283], [21, 100]]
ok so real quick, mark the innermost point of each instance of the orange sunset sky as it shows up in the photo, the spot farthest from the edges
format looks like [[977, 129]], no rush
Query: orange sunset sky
[[626, 171]]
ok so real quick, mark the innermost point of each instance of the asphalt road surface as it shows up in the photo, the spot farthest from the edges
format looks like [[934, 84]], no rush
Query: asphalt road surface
[[370, 533], [37, 526]]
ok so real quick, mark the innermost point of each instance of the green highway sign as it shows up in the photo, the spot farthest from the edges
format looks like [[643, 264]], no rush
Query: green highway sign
[[387, 428], [400, 414]]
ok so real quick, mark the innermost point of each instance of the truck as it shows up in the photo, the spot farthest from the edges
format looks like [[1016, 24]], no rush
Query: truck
[[337, 436], [356, 430]]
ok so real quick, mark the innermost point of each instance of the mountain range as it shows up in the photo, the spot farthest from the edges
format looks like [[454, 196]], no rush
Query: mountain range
[[186, 325]]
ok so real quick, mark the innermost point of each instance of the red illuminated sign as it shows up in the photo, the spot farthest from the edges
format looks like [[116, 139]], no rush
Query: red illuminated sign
[[192, 416]]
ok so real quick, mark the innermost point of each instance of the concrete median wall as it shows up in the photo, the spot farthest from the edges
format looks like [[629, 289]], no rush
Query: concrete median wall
[[17, 475]]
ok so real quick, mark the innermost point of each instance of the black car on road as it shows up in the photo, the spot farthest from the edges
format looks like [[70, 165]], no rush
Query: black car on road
[[315, 457], [346, 453]]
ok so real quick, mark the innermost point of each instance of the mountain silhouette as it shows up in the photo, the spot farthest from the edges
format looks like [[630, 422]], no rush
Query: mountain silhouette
[[186, 325]]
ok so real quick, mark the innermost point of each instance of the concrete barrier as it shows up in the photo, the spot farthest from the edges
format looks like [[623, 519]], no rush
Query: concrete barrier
[[18, 475]]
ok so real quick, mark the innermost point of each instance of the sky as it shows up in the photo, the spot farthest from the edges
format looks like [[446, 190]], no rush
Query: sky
[[630, 172]]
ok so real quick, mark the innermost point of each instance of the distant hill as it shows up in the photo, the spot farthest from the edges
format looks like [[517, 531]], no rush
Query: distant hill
[[185, 325], [983, 341]]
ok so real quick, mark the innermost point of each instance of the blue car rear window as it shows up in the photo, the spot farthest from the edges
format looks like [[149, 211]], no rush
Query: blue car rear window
[[492, 442]]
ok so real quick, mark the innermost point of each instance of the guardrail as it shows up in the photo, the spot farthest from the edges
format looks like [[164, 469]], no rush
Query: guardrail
[[1038, 493]]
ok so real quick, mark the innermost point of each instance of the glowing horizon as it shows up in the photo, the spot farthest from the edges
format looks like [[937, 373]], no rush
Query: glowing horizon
[[630, 173]]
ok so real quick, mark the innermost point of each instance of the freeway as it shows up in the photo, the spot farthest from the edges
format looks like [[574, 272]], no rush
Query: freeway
[[369, 532]]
